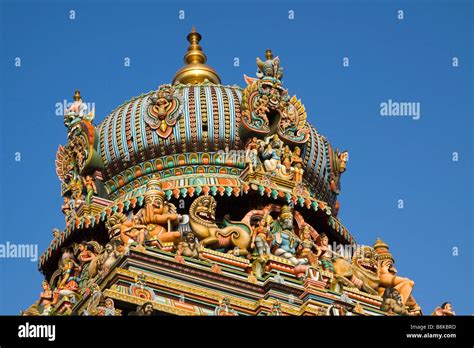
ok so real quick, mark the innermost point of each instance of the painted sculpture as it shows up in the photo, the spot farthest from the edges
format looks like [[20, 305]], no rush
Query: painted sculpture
[[215, 192], [202, 219]]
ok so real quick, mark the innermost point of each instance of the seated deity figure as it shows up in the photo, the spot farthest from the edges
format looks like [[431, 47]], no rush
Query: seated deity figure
[[134, 230], [306, 247], [157, 217], [271, 158], [285, 241], [189, 247]]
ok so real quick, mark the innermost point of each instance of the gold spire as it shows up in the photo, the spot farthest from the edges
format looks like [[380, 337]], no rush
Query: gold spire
[[77, 95], [269, 54], [195, 70]]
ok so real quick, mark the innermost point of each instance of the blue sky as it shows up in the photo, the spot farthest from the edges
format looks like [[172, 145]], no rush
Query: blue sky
[[391, 158]]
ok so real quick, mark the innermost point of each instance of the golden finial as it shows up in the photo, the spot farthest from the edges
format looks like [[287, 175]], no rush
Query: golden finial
[[77, 95], [269, 54], [195, 70]]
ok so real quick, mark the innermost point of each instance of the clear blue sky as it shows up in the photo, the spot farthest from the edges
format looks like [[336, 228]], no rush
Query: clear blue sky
[[406, 60]]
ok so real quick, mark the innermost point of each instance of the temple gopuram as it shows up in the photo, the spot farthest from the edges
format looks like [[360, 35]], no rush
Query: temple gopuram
[[200, 198]]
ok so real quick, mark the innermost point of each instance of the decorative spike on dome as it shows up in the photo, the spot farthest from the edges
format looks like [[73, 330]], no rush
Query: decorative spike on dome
[[77, 95], [196, 70], [269, 54]]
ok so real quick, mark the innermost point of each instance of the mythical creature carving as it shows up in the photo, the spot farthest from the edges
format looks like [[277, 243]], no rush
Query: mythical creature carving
[[388, 275], [202, 220], [78, 159], [361, 273], [165, 107], [267, 107]]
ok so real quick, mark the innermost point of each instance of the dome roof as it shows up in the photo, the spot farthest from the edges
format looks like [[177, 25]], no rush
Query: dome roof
[[198, 132], [208, 123]]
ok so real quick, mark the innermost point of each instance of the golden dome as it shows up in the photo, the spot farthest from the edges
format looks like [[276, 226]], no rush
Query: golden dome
[[195, 70]]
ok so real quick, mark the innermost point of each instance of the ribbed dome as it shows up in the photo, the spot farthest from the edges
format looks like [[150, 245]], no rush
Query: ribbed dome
[[199, 129], [209, 122]]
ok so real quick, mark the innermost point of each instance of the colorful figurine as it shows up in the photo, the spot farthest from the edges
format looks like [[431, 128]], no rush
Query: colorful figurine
[[91, 189], [445, 310]]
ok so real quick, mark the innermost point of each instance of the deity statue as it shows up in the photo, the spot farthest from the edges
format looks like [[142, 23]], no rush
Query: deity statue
[[46, 299], [445, 310], [270, 157], [69, 273], [108, 257], [145, 310], [388, 274], [56, 233], [159, 216], [77, 193], [260, 237], [285, 240], [109, 309], [324, 253], [339, 167], [252, 150], [224, 308], [286, 157], [134, 230], [306, 247], [392, 302], [189, 247], [297, 165], [262, 109], [86, 256], [91, 189], [66, 207], [276, 309]]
